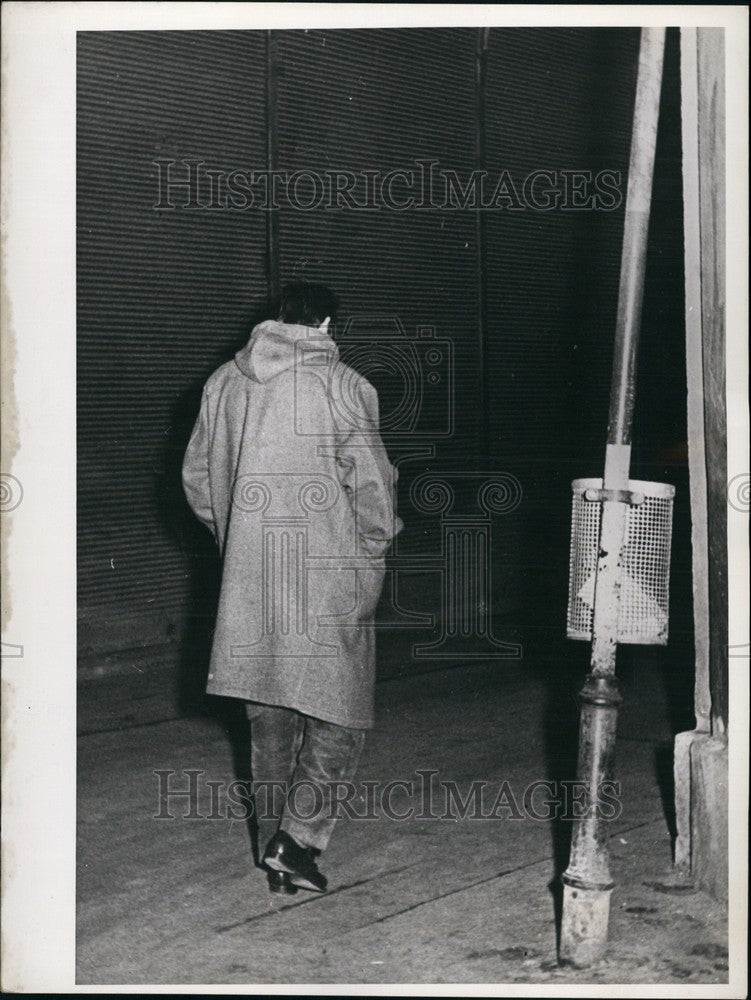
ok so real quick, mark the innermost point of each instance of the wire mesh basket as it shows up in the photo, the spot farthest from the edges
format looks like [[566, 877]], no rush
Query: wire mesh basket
[[645, 571]]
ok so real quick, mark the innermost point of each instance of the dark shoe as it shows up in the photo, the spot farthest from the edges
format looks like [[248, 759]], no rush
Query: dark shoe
[[283, 854], [279, 882]]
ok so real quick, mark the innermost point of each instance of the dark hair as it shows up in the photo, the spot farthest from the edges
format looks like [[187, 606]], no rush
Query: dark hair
[[307, 305]]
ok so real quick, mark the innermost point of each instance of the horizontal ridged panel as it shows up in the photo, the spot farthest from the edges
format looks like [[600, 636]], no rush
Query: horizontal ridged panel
[[380, 101], [164, 295], [556, 100]]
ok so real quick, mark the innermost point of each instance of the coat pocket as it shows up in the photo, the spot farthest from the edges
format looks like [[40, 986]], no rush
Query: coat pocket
[[347, 595]]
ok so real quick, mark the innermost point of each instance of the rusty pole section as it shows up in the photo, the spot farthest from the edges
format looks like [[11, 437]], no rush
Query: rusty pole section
[[587, 883]]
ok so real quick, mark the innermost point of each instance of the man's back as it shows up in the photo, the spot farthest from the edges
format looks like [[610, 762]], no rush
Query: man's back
[[298, 491]]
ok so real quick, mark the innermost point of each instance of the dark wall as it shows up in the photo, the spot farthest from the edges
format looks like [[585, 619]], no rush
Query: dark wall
[[163, 297], [523, 299], [562, 100]]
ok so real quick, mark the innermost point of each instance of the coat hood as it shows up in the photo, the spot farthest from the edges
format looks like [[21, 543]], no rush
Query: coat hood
[[272, 348]]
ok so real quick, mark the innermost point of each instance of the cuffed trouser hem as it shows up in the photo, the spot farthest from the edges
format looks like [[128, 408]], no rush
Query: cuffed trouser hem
[[313, 758], [306, 835]]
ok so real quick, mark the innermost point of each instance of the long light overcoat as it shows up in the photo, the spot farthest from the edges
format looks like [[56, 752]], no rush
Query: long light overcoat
[[287, 468]]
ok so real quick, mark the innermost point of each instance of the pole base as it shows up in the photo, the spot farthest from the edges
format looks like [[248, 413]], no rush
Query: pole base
[[584, 927]]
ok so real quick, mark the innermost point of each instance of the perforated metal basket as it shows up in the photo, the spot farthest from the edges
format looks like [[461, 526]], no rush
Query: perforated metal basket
[[643, 614]]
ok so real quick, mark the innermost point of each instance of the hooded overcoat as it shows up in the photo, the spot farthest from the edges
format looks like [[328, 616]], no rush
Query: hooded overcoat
[[287, 468]]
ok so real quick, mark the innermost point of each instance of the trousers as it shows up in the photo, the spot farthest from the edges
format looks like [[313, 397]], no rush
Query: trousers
[[296, 761]]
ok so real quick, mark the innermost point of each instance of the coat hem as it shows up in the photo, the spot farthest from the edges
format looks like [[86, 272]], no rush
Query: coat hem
[[297, 706]]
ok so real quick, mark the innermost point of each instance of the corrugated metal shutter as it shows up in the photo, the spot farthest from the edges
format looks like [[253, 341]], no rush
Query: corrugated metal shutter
[[556, 100], [163, 297], [563, 99], [381, 100]]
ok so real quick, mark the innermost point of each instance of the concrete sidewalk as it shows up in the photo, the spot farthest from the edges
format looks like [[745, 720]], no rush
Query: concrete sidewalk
[[418, 900]]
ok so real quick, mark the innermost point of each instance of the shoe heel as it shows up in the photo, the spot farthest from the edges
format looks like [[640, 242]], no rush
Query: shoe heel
[[279, 882]]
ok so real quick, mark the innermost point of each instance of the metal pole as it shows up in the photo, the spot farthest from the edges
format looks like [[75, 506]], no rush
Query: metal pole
[[587, 883]]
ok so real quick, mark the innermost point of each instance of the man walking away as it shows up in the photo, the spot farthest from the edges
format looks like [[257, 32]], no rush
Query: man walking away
[[287, 469]]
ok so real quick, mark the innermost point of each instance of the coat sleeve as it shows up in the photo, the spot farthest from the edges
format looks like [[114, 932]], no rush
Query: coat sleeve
[[368, 477], [196, 469]]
